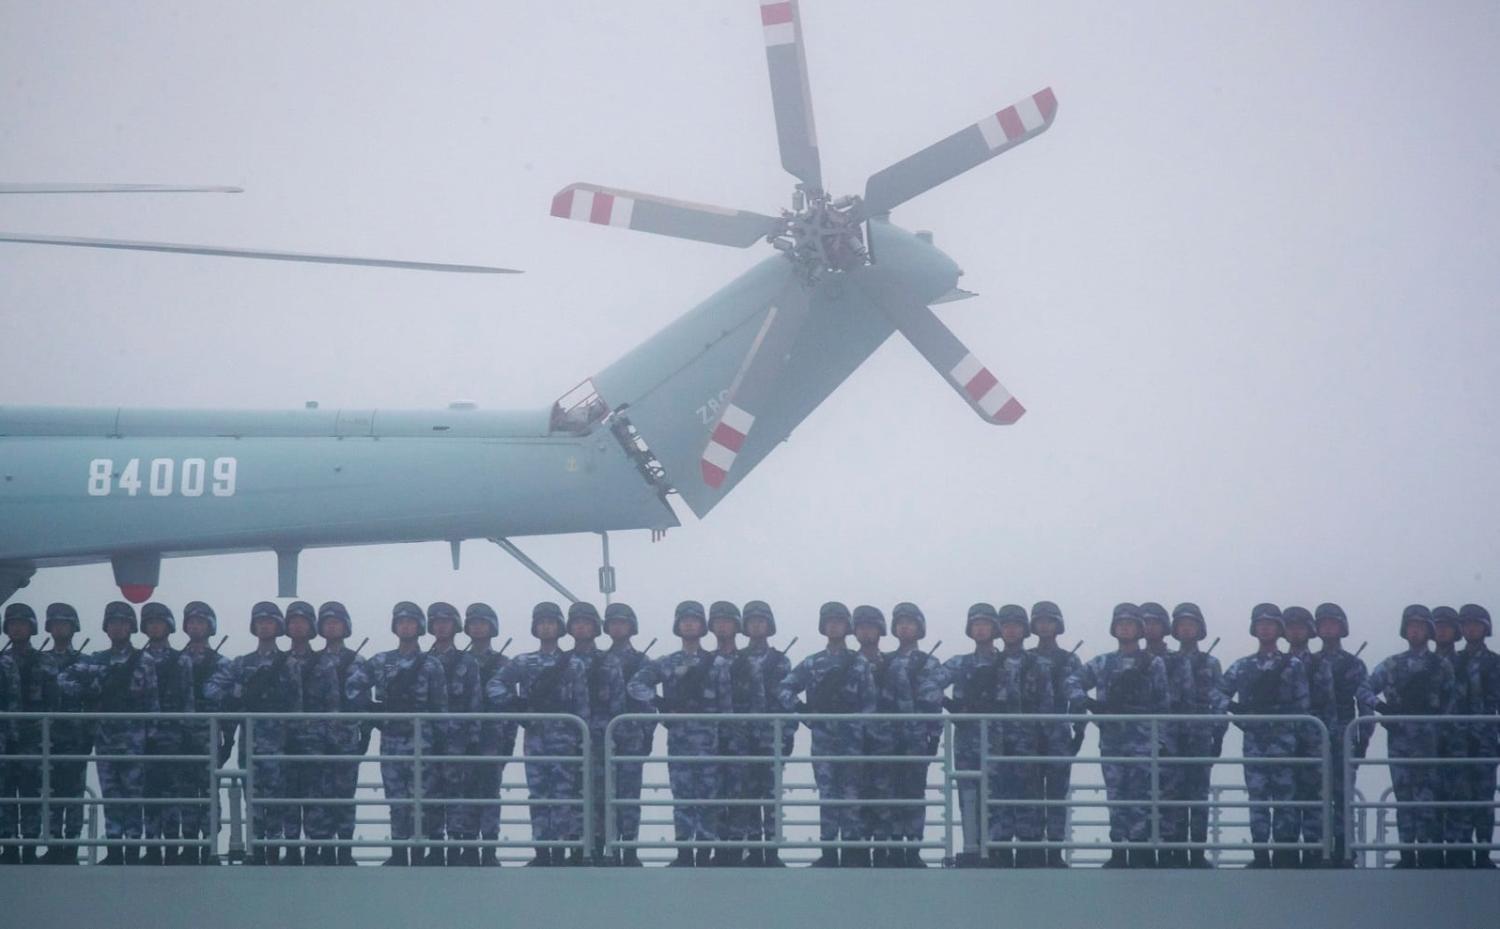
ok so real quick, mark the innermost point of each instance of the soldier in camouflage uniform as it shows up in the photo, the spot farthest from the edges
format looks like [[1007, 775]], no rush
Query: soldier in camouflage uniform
[[1127, 680], [1047, 624], [459, 822], [200, 623], [760, 624], [68, 778], [1269, 682], [1348, 673], [547, 680], [341, 778], [913, 682], [494, 739], [1203, 695], [686, 684], [975, 680], [836, 680], [631, 738], [406, 680], [37, 693], [118, 680], [305, 780], [1023, 685], [877, 780], [1479, 670], [174, 684], [1298, 623], [1173, 820], [738, 687], [261, 682], [1453, 779], [605, 688], [1415, 682]]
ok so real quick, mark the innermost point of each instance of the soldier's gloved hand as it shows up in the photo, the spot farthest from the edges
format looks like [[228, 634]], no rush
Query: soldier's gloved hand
[[226, 748], [1218, 745], [1361, 743], [1092, 705], [1079, 731], [1383, 708]]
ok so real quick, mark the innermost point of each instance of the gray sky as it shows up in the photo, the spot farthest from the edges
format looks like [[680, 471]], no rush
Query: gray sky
[[1245, 286]]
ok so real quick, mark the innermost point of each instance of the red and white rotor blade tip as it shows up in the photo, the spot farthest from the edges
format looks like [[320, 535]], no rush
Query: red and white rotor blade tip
[[606, 206], [756, 384], [980, 389], [791, 98], [968, 148]]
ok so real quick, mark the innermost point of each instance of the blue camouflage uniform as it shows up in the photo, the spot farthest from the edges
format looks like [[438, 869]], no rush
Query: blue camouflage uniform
[[1477, 677], [1173, 820], [118, 680], [1321, 699], [1124, 683], [307, 780], [497, 739], [174, 684], [406, 682], [1023, 685], [547, 682], [36, 692], [761, 775], [605, 688], [912, 681], [1274, 683], [738, 687], [1057, 777], [1200, 693], [457, 737], [344, 738], [68, 778], [1348, 673], [195, 781], [1416, 682], [836, 680], [686, 683], [264, 681], [631, 738]]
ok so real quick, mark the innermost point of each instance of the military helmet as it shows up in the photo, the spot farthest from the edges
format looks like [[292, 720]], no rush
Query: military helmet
[[1153, 610], [866, 615], [305, 610], [61, 613], [1126, 612], [1015, 614], [686, 609], [482, 613], [265, 609], [622, 611], [1445, 614], [723, 609], [833, 609], [1419, 613], [1049, 610], [119, 609], [1332, 611], [906, 610], [408, 610], [981, 612], [333, 609], [583, 611], [1297, 614], [201, 610], [1473, 612], [545, 610], [1189, 611], [441, 609], [158, 612], [1270, 611], [761, 609], [20, 612]]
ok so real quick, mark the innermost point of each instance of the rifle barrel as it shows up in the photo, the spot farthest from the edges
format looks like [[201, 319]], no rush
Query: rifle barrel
[[1211, 647], [788, 645], [1361, 648], [506, 645], [648, 646], [362, 644], [221, 644], [1076, 647]]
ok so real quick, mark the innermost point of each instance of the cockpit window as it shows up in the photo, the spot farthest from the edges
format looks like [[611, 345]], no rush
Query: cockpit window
[[577, 411]]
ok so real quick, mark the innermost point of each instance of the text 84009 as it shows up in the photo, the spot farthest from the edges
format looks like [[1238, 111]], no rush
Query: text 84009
[[163, 477]]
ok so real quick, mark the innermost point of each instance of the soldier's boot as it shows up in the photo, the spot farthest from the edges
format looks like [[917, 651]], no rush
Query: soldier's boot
[[829, 859], [68, 855], [1262, 859], [1407, 859], [1031, 858], [152, 855], [1430, 858], [433, 857], [487, 858], [1198, 859], [729, 858], [755, 858], [1117, 859], [630, 858], [294, 855], [1458, 859], [273, 855], [114, 855], [1140, 858], [453, 856], [1055, 858], [1002, 858], [705, 857], [398, 859], [344, 855], [469, 857], [133, 855], [684, 859], [29, 855], [913, 858], [1285, 858]]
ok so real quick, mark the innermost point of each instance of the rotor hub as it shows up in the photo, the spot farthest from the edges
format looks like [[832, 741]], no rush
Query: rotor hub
[[823, 234]]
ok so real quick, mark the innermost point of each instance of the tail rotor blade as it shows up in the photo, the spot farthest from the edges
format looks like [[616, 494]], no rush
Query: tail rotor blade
[[755, 385], [781, 22], [965, 149], [65, 188], [606, 206], [958, 366], [216, 251]]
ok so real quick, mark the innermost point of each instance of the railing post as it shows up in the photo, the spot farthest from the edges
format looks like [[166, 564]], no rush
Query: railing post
[[46, 777], [1327, 809], [248, 753], [588, 791], [983, 814], [776, 778], [213, 787], [1215, 826], [418, 840], [948, 776], [1155, 780], [610, 805]]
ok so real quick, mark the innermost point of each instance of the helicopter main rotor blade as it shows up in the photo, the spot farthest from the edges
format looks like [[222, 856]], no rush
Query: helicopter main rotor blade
[[968, 148], [607, 206], [790, 96], [131, 245], [755, 385], [49, 188], [958, 366]]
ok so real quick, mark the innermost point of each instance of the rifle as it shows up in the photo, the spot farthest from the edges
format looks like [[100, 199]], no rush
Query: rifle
[[782, 651], [45, 642], [1361, 648], [1075, 649], [74, 660], [939, 644], [692, 683], [1211, 647], [648, 646], [506, 645], [221, 644]]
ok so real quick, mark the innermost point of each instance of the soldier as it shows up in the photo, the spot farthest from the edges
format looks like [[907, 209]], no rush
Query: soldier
[[1047, 624], [836, 681], [1269, 682], [1023, 685], [686, 687], [68, 778], [344, 738], [913, 683], [261, 682], [37, 693], [737, 687], [166, 779], [975, 679], [605, 695], [1173, 820], [1348, 673], [405, 680], [118, 680], [460, 822], [877, 779], [1127, 680], [1298, 623], [304, 780], [1415, 682], [1479, 669], [1203, 695], [547, 681], [1452, 779], [496, 739], [760, 625], [631, 738], [200, 623]]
